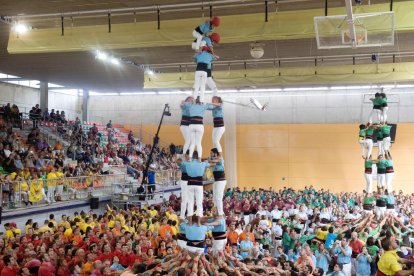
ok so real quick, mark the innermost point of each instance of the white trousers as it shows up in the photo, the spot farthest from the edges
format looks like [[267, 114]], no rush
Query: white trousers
[[388, 181], [380, 211], [368, 180], [195, 194], [199, 37], [200, 80], [182, 244], [212, 85], [219, 245], [363, 146], [347, 269], [381, 179], [196, 135], [380, 147], [246, 219], [184, 198], [218, 193], [196, 250], [384, 116], [50, 194], [369, 145], [59, 190], [185, 131], [386, 143], [375, 114], [217, 134], [22, 195]]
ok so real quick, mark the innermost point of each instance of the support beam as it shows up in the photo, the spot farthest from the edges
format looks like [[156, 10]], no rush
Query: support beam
[[85, 101], [44, 95]]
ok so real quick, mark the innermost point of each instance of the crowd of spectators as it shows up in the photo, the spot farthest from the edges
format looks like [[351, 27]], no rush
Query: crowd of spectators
[[284, 232], [32, 171]]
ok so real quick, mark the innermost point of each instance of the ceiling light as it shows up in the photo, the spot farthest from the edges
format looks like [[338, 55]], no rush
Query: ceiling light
[[101, 55], [21, 28], [149, 72], [115, 61]]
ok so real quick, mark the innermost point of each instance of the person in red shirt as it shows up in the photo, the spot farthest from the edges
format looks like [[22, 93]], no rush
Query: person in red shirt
[[106, 254], [356, 246], [125, 258], [10, 266], [46, 268]]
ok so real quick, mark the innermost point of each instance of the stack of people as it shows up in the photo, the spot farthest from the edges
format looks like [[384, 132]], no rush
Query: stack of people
[[377, 129]]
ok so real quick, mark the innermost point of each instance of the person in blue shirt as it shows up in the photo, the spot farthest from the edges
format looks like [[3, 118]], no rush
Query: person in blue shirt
[[330, 238], [218, 121], [185, 123], [181, 237], [219, 231], [151, 180], [203, 29], [196, 112], [363, 267], [220, 182], [203, 61], [195, 235], [195, 171], [343, 252], [183, 184], [209, 41], [322, 258]]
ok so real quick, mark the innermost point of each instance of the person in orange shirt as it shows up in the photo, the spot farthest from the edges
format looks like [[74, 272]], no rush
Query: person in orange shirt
[[232, 235], [247, 232], [164, 228]]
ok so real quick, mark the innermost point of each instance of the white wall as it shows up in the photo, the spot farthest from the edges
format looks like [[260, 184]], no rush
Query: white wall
[[330, 106], [23, 97], [27, 97]]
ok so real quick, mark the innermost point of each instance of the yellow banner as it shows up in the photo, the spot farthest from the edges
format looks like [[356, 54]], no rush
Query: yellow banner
[[233, 29], [322, 75]]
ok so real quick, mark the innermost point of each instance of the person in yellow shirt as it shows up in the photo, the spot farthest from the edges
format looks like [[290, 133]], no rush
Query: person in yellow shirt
[[9, 232], [86, 224], [21, 190], [153, 213], [52, 179], [60, 182], [36, 189], [64, 222], [390, 263]]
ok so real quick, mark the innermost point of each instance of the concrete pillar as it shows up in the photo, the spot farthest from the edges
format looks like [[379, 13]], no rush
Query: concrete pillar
[[44, 95], [230, 145], [85, 101]]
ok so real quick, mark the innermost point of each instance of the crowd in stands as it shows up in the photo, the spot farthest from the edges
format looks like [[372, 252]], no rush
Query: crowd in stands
[[34, 171], [284, 232]]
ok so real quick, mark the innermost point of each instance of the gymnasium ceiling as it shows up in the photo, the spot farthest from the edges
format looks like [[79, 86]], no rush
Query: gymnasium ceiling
[[81, 70]]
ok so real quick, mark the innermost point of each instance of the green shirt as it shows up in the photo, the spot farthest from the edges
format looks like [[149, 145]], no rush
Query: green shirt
[[382, 164], [384, 100], [369, 200], [373, 250], [386, 129], [368, 164], [377, 101], [369, 131], [388, 163], [362, 132], [379, 134]]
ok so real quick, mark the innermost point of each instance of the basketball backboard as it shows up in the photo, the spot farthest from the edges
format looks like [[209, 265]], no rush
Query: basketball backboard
[[371, 30]]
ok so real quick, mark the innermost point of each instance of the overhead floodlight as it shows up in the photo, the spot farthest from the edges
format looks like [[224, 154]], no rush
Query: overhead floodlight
[[101, 55], [149, 72], [21, 28], [115, 61]]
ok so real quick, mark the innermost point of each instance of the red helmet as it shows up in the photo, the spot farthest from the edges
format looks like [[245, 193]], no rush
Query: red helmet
[[215, 37], [215, 21]]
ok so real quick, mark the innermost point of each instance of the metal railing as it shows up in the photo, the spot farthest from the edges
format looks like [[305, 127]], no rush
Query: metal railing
[[38, 192]]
